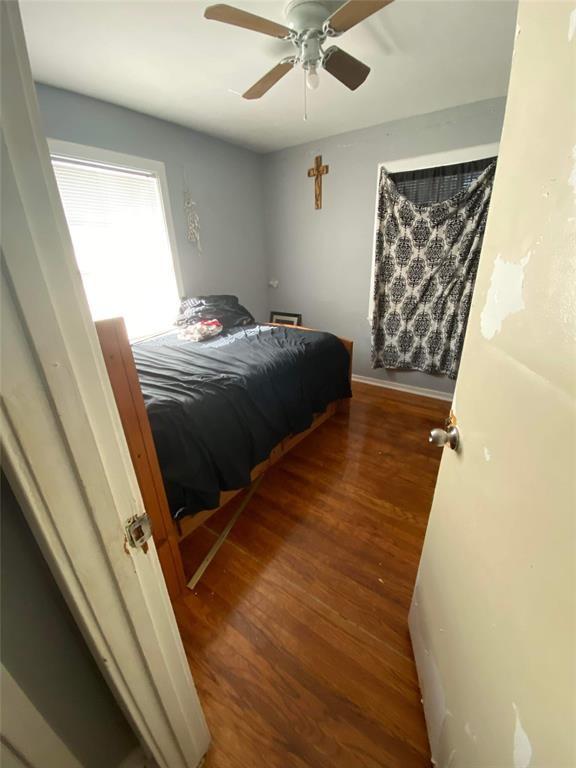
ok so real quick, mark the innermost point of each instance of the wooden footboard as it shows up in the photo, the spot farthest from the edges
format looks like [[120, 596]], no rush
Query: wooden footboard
[[128, 395], [130, 402]]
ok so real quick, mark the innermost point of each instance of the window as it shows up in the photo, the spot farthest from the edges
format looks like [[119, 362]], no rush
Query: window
[[119, 229]]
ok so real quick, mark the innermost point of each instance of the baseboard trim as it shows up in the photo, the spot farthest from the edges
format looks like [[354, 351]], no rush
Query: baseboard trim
[[422, 391]]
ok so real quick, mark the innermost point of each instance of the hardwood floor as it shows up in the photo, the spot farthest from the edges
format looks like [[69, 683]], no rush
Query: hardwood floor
[[296, 634]]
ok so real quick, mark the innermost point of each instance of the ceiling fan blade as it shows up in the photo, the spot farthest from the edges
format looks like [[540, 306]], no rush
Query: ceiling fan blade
[[230, 15], [270, 78], [353, 12], [344, 67]]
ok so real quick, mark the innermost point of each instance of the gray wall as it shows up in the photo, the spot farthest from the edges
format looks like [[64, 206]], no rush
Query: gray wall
[[42, 648], [323, 258], [224, 180], [257, 216]]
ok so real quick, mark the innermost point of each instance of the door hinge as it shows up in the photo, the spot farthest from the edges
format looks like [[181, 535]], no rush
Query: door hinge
[[138, 530]]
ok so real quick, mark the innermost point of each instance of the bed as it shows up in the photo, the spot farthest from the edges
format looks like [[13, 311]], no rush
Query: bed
[[204, 420]]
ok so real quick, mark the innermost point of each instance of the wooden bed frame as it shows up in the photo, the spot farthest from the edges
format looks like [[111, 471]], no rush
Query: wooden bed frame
[[166, 531]]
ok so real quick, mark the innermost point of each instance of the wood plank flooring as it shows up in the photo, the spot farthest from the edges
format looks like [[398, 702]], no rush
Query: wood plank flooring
[[296, 634]]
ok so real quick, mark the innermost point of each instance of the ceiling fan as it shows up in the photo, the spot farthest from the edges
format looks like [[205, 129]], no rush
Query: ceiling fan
[[311, 25]]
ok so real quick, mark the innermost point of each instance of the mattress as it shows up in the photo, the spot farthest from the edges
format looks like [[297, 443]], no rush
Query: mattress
[[217, 408]]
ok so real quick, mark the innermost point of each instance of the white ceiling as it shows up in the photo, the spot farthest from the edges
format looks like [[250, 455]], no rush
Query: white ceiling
[[165, 59]]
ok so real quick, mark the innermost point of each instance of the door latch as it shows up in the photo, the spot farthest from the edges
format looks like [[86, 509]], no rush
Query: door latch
[[138, 530]]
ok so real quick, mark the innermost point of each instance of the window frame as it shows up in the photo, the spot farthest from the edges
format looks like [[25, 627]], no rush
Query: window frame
[[73, 151]]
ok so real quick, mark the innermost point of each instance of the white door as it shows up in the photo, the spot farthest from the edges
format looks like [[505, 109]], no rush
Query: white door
[[63, 448], [493, 614]]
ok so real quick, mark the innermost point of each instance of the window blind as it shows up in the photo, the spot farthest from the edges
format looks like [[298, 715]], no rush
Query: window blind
[[433, 185], [116, 221]]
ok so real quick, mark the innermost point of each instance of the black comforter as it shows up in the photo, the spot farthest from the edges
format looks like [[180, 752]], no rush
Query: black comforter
[[218, 407]]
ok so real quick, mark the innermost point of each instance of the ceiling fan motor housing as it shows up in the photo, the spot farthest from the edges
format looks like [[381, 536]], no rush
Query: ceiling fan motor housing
[[311, 49], [306, 15], [306, 19]]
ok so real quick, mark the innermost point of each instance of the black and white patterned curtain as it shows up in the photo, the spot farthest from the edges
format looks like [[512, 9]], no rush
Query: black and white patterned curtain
[[428, 239]]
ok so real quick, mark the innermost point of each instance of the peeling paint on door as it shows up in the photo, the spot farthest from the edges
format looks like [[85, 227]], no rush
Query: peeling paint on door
[[572, 177], [504, 294], [522, 753]]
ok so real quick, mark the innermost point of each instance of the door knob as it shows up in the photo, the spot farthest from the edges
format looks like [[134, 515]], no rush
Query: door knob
[[449, 436]]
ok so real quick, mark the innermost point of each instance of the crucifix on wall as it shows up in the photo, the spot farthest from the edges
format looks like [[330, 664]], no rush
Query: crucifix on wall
[[316, 172]]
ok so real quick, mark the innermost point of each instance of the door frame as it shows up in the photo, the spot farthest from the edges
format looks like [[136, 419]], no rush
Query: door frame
[[64, 450], [20, 718]]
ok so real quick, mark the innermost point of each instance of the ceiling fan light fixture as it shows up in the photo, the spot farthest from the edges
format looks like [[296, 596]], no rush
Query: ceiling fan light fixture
[[312, 77]]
